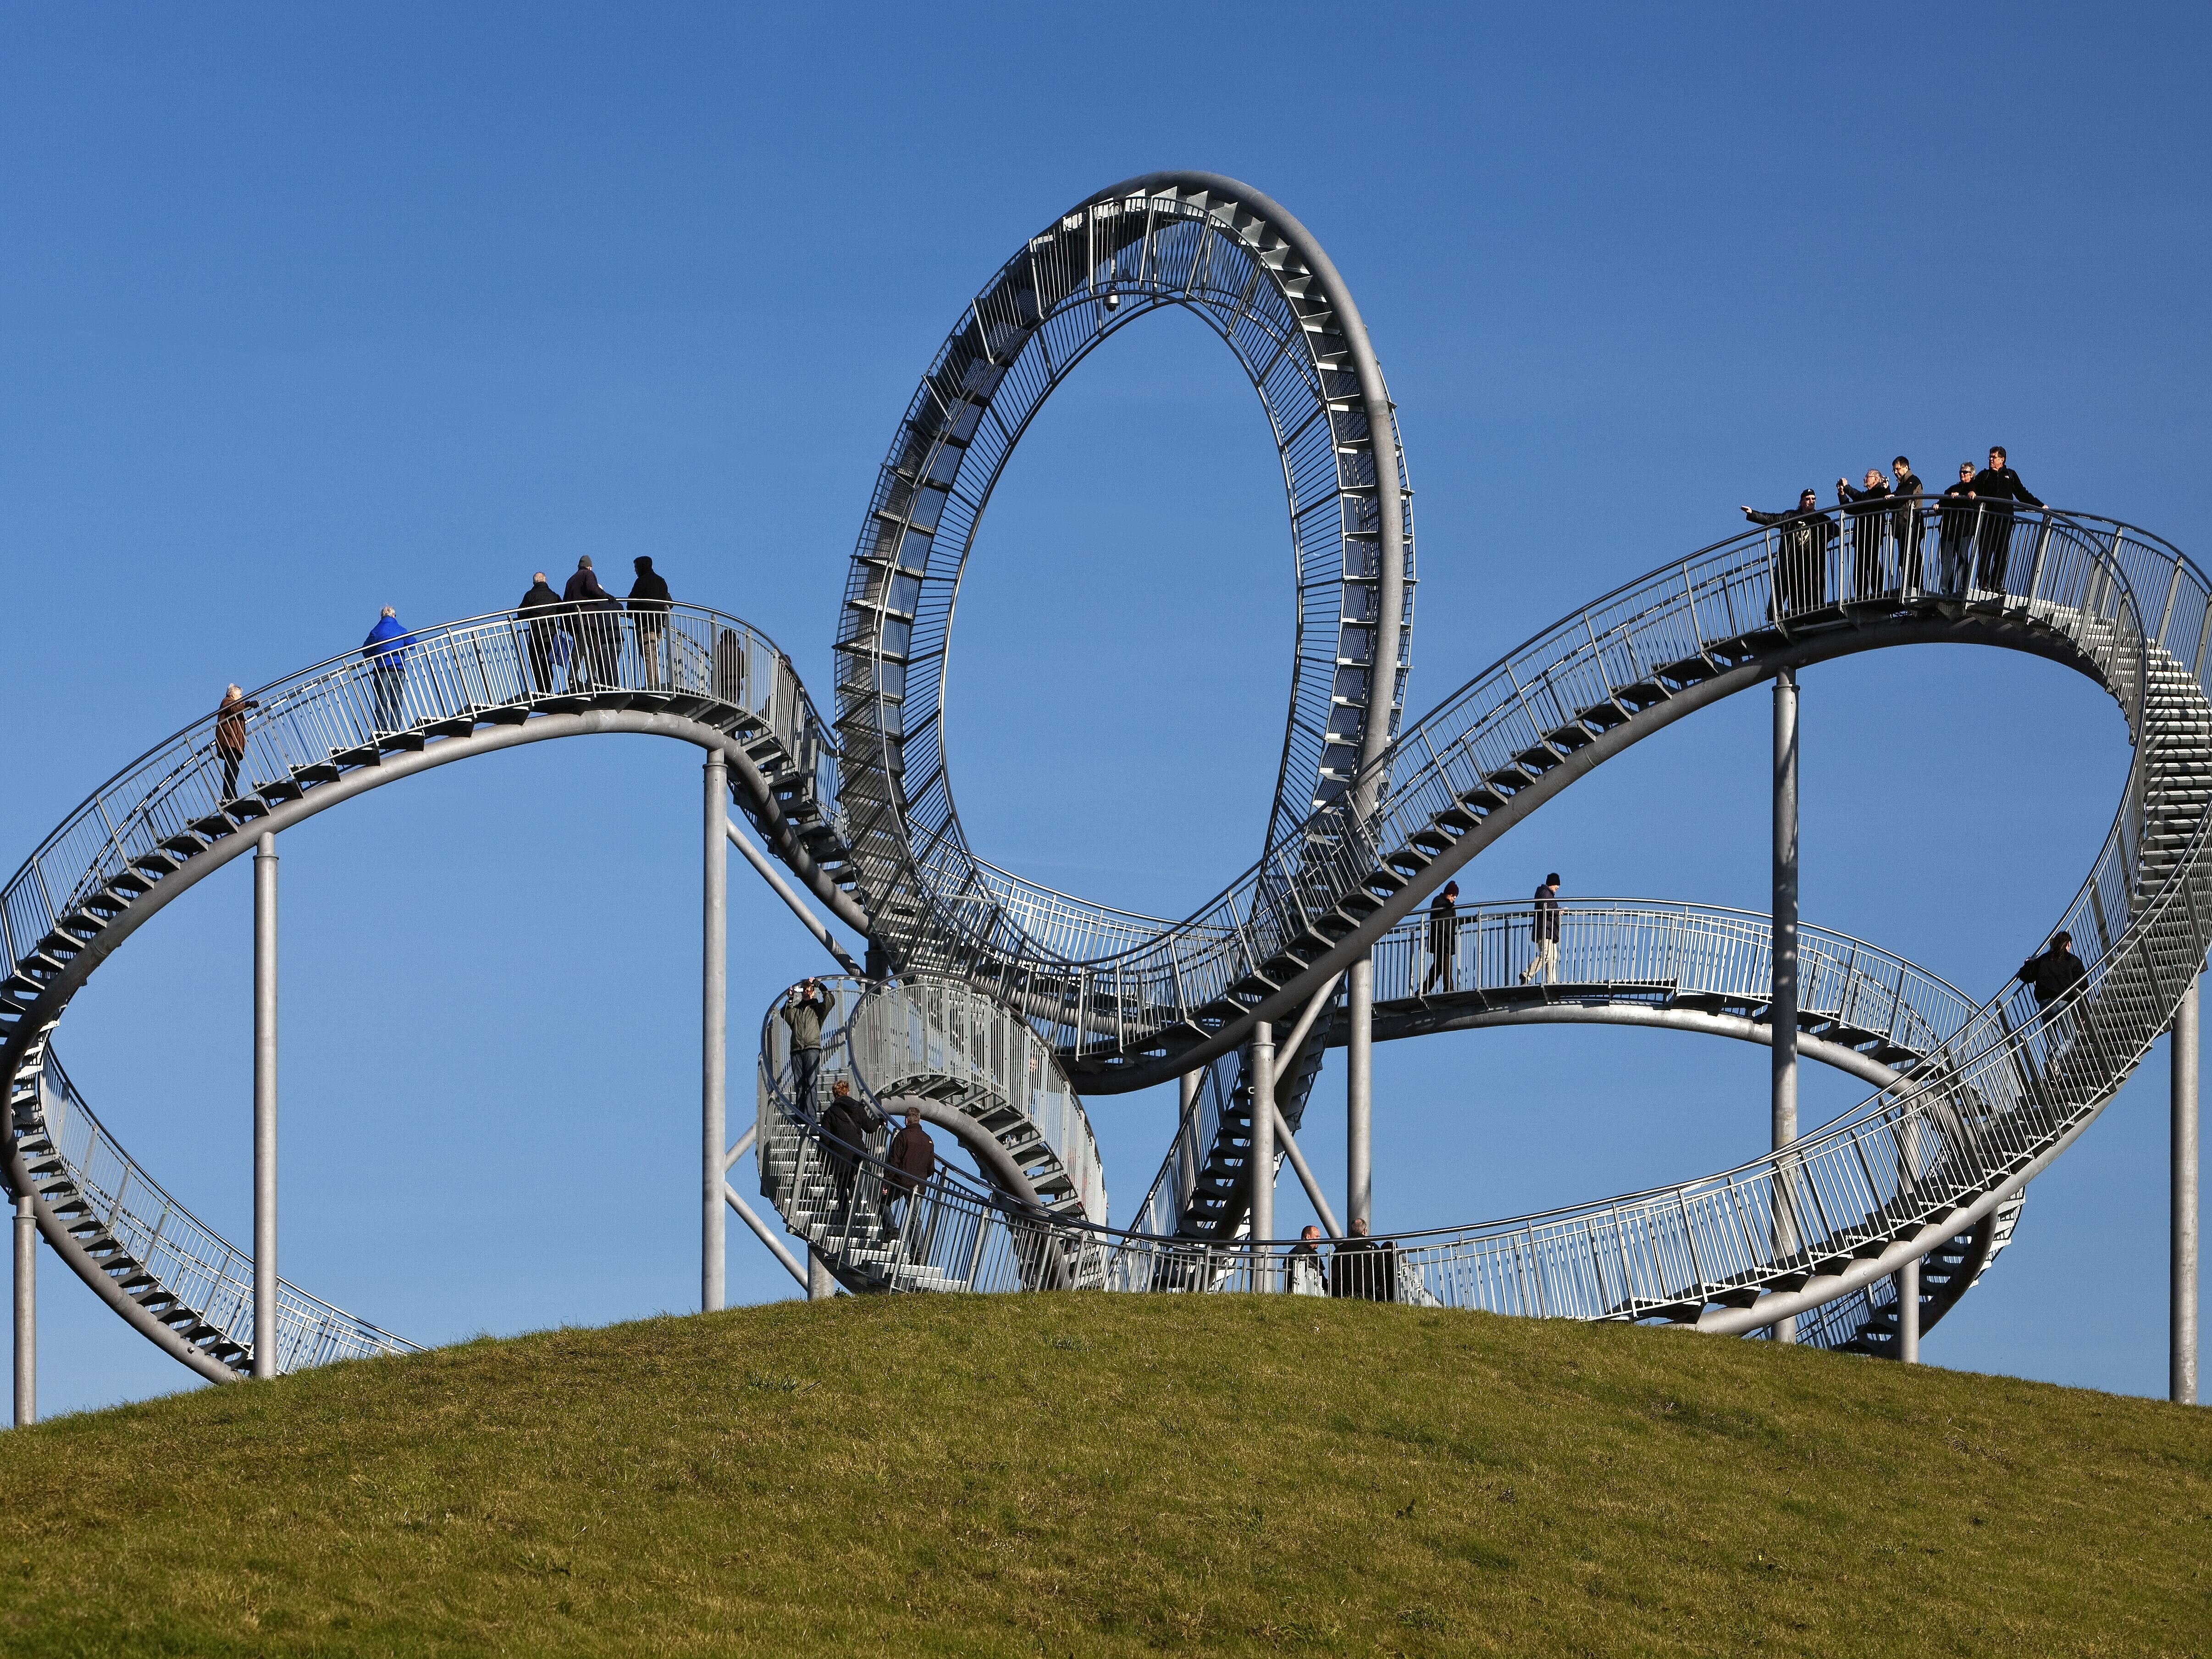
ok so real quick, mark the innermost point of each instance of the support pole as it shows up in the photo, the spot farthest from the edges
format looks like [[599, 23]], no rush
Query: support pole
[[1359, 1096], [1782, 1009], [1187, 1155], [783, 889], [1313, 1193], [2183, 1055], [1908, 1312], [1263, 1154], [27, 1313], [265, 1107], [820, 1286], [714, 1024]]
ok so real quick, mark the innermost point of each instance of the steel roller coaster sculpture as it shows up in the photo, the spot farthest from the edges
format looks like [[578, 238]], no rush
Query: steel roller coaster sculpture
[[1008, 1003]]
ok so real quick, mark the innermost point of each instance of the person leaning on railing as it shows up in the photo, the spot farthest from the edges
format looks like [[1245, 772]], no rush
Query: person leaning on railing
[[1363, 1268], [1862, 507], [1956, 530], [1996, 487], [1904, 523], [1799, 580]]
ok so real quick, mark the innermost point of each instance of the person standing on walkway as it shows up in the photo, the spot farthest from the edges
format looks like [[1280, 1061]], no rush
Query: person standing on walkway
[[540, 610], [1444, 940], [589, 604], [1544, 931], [1955, 532], [648, 618], [1862, 509], [387, 648], [1802, 556], [230, 738], [913, 1160], [1997, 488], [1363, 1268], [1904, 527], [804, 1006], [1306, 1276]]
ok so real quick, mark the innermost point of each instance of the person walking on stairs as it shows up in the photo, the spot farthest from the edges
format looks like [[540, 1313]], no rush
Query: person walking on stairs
[[1544, 931], [1444, 940], [648, 618], [230, 738], [845, 1129], [1997, 488], [913, 1160], [803, 1004], [2053, 976], [540, 611], [385, 649]]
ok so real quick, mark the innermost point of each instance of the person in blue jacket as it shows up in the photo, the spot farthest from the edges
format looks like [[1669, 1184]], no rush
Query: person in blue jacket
[[387, 648]]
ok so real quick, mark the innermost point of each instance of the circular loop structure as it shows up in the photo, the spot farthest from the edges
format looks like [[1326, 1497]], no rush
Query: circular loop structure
[[1013, 997], [1255, 275]]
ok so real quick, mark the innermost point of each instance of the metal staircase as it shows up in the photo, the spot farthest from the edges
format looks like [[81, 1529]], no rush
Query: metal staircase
[[317, 739]]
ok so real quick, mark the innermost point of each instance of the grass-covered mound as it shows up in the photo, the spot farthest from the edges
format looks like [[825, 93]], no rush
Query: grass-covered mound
[[1087, 1475]]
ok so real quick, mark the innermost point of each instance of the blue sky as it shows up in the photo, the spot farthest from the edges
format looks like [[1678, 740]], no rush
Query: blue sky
[[305, 313]]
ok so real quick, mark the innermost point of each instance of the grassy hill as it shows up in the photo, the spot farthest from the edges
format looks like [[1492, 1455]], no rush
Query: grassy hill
[[1095, 1475]]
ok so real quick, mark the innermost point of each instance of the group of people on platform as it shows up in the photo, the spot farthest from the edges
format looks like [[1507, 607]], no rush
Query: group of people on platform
[[1360, 1267], [847, 1121], [1885, 522]]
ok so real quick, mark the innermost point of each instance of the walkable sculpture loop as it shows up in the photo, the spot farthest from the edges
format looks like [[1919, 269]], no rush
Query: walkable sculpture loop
[[1013, 997]]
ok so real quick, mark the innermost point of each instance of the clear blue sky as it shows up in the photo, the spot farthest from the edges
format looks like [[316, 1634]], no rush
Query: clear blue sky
[[305, 312]]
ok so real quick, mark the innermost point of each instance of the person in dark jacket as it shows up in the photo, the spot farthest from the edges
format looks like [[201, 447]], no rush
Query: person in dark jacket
[[648, 618], [1543, 931], [1956, 530], [1363, 1268], [913, 1160], [1444, 940], [541, 610], [387, 648], [845, 1124], [2054, 973], [1905, 525], [1997, 488], [804, 1006], [1801, 562], [230, 737], [1868, 520], [589, 605]]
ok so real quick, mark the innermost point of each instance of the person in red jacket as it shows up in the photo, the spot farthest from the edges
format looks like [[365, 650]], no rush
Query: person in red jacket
[[913, 1160]]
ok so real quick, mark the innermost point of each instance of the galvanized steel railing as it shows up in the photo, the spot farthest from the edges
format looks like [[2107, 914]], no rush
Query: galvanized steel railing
[[300, 733], [1618, 950], [190, 1258]]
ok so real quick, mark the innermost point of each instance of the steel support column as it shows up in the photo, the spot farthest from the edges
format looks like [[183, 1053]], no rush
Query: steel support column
[[265, 1107], [27, 1313], [1908, 1312], [1782, 1010], [2182, 1053], [1359, 1096], [1263, 1146], [821, 1285], [713, 1027]]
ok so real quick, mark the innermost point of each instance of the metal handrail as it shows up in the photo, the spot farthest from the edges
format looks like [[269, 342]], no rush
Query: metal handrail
[[303, 730]]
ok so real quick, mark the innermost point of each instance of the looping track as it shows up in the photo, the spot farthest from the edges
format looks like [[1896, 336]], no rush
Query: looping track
[[1014, 997]]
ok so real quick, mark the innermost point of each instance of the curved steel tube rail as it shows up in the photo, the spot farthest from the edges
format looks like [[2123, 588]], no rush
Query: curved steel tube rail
[[1242, 265], [319, 737], [1121, 1001]]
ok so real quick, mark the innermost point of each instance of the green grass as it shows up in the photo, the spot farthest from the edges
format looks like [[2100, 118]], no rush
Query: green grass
[[1113, 1475]]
